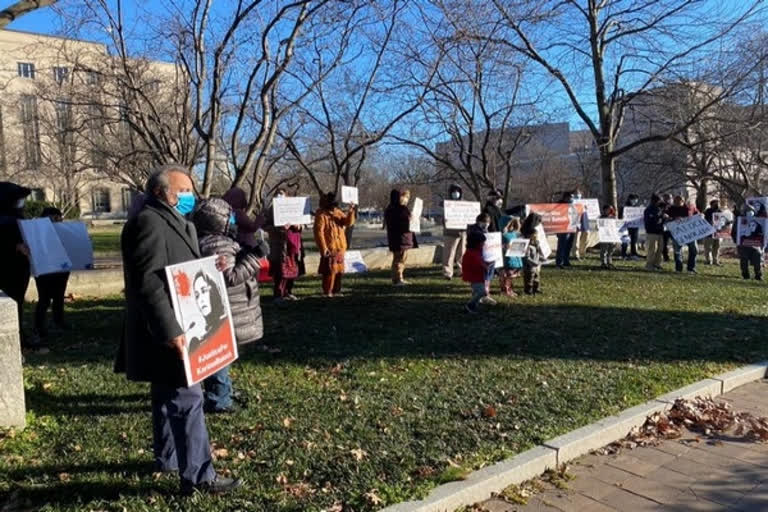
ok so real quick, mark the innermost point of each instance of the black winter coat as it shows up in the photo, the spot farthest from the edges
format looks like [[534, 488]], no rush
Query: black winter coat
[[397, 219], [155, 238], [242, 268]]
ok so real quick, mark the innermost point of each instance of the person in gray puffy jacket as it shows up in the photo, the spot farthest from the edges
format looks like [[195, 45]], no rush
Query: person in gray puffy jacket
[[214, 220]]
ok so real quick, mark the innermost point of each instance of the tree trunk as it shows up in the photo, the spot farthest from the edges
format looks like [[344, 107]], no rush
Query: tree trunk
[[210, 166], [608, 174], [701, 195]]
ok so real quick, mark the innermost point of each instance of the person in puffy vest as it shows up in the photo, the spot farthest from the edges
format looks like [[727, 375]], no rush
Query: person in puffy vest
[[214, 220]]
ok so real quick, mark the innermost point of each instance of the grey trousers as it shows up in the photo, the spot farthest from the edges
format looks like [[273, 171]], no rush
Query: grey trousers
[[180, 435]]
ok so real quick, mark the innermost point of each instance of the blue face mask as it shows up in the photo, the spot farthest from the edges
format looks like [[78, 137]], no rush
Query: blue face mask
[[232, 219], [186, 203]]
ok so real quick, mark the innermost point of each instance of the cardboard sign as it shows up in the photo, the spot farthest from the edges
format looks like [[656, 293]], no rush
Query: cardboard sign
[[722, 224], [418, 209], [492, 249], [751, 232], [291, 211], [460, 214], [546, 249], [74, 237], [201, 304], [349, 195], [591, 207], [608, 231], [354, 263], [517, 247], [634, 217], [47, 254], [690, 229], [559, 217]]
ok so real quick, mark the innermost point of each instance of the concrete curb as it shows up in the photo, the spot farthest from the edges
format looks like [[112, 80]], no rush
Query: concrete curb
[[479, 485]]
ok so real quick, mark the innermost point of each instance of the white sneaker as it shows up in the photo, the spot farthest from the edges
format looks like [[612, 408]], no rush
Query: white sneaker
[[489, 301]]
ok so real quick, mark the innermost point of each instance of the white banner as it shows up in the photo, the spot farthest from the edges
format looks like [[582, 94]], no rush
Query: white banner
[[492, 249], [349, 195], [690, 229], [418, 209], [47, 253], [291, 211], [517, 248], [591, 206], [634, 217], [608, 231], [74, 237], [354, 263], [460, 214]]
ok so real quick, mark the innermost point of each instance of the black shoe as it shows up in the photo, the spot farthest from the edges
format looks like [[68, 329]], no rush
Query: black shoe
[[221, 485], [212, 409], [471, 308], [758, 278]]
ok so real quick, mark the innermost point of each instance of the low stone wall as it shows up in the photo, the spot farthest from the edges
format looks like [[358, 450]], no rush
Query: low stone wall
[[109, 281], [12, 406]]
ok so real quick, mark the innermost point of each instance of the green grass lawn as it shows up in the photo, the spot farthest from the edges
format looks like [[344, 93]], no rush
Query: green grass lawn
[[384, 393], [106, 239]]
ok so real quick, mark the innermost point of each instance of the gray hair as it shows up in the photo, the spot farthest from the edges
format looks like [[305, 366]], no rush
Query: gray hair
[[159, 177]]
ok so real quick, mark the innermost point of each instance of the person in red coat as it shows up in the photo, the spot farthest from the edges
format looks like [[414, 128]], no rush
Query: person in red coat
[[474, 269]]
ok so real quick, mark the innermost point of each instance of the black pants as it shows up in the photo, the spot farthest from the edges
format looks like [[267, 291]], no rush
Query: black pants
[[532, 279], [180, 435], [750, 256], [665, 249], [632, 243], [50, 290]]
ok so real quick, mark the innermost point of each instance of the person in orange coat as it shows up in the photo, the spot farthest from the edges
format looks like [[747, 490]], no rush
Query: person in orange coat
[[330, 225]]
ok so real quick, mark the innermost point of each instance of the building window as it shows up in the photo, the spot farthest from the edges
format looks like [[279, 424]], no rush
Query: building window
[[96, 120], [127, 199], [26, 70], [91, 78], [60, 74], [63, 116], [100, 199], [31, 131]]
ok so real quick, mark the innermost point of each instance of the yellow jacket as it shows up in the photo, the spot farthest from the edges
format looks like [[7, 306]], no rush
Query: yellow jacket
[[330, 229]]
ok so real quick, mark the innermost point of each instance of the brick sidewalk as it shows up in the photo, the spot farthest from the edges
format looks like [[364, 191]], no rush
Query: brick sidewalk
[[728, 475]]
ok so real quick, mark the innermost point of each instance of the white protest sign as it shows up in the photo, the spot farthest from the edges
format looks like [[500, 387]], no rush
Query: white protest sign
[[47, 254], [591, 206], [291, 211], [722, 222], [690, 229], [634, 217], [517, 247], [418, 209], [74, 237], [354, 263], [608, 231], [492, 249], [546, 249], [460, 214], [349, 195], [751, 231]]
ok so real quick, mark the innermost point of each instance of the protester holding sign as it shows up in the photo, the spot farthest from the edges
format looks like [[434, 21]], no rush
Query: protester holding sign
[[330, 237], [633, 201], [749, 234], [454, 240], [51, 289], [607, 248], [475, 269], [215, 222], [534, 256], [714, 215], [493, 208], [653, 220], [679, 210], [14, 253], [400, 238], [153, 345], [589, 215], [286, 255], [564, 240], [513, 265]]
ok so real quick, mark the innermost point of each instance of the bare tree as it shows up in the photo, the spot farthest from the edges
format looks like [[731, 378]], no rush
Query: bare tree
[[630, 47]]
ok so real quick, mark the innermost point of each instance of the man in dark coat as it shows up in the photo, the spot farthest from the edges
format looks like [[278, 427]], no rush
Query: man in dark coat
[[153, 342], [14, 254], [493, 209]]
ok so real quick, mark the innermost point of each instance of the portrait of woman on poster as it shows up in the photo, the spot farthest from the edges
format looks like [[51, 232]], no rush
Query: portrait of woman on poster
[[211, 305]]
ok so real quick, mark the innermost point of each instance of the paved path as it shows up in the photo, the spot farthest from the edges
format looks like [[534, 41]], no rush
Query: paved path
[[727, 475]]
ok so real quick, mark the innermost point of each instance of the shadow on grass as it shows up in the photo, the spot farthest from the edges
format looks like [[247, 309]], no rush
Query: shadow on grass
[[86, 404]]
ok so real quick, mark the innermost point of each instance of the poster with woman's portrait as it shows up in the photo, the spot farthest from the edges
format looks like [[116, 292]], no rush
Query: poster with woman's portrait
[[200, 302], [751, 231]]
